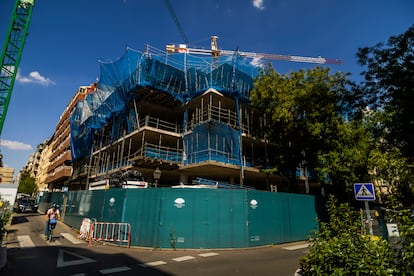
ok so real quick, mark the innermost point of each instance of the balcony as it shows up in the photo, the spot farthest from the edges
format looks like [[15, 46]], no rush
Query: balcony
[[59, 173]]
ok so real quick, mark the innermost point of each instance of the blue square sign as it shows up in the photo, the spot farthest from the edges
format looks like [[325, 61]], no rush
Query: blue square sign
[[364, 191]]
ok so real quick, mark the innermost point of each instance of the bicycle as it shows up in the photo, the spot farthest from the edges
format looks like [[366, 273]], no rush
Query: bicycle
[[51, 226]]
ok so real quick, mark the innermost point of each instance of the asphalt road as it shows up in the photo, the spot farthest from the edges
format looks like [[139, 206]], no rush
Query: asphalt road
[[29, 254]]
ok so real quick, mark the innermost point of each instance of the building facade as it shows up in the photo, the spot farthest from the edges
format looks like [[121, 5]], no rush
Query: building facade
[[59, 169], [6, 175], [43, 167]]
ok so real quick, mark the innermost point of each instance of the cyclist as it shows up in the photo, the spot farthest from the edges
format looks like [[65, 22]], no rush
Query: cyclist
[[51, 215]]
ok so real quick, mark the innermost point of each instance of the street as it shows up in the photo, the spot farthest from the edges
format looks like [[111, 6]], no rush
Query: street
[[29, 254]]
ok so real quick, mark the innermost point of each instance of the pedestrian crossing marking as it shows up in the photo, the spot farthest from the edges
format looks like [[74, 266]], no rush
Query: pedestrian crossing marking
[[211, 254], [71, 238], [25, 241], [156, 263], [184, 258]]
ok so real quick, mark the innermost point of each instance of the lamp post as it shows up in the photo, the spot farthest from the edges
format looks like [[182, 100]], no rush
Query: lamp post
[[157, 176]]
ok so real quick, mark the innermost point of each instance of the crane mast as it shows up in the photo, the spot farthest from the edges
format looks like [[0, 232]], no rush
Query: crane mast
[[12, 52], [215, 52]]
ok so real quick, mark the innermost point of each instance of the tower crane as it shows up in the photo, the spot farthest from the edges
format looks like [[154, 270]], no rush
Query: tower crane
[[176, 21], [215, 52], [12, 52]]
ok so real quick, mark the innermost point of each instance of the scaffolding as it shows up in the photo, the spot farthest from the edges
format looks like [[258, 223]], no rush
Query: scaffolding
[[178, 108]]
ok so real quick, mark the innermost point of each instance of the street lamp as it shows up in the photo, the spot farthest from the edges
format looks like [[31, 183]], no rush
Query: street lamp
[[157, 176]]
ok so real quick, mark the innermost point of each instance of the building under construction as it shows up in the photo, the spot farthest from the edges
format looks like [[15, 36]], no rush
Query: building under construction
[[187, 115]]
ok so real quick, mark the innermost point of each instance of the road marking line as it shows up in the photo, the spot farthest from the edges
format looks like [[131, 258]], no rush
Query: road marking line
[[157, 263], [295, 247], [208, 254], [25, 241], [81, 259], [184, 258], [71, 238], [114, 270]]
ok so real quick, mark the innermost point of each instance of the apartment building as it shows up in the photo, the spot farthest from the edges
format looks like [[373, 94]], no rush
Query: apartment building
[[42, 170], [59, 170]]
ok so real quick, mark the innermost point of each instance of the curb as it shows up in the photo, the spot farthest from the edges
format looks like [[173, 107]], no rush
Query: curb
[[3, 257], [3, 253]]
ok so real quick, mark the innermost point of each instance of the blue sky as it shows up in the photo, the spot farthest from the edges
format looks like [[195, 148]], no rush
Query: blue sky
[[67, 38]]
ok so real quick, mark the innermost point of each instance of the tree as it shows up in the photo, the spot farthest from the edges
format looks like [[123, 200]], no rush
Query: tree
[[386, 163], [338, 248], [389, 86], [346, 160], [27, 184], [307, 113]]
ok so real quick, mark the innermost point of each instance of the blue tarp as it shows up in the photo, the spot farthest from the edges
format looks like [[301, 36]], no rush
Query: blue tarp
[[180, 75]]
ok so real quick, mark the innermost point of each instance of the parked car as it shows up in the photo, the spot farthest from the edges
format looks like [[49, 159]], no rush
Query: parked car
[[26, 204]]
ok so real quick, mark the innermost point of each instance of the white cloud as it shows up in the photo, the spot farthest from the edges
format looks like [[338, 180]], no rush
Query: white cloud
[[34, 77], [258, 4], [15, 145]]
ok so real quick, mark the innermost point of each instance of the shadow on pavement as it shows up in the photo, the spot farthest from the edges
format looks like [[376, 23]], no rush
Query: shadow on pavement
[[59, 260]]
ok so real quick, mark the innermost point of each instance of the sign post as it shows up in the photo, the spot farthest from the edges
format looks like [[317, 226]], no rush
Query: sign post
[[365, 192]]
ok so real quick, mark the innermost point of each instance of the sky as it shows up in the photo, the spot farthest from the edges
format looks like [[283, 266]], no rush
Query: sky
[[67, 39]]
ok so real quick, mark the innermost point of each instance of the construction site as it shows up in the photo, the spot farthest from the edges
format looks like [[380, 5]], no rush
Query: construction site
[[177, 116], [163, 119], [186, 116], [178, 125]]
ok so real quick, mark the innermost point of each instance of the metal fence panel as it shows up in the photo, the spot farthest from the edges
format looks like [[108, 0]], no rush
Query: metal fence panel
[[195, 218], [113, 206], [142, 212], [301, 216]]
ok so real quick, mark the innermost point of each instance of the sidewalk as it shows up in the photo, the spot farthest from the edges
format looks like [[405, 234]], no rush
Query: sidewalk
[[3, 245], [3, 252]]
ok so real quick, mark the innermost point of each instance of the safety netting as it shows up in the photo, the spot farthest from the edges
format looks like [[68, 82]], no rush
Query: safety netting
[[181, 75], [212, 142]]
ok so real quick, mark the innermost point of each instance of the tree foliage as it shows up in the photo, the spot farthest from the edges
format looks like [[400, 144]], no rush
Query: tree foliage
[[346, 161], [338, 248], [27, 184], [405, 255], [389, 86], [306, 115]]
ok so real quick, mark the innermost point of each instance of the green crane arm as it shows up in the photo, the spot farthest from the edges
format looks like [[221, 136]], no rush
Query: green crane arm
[[12, 52], [176, 21]]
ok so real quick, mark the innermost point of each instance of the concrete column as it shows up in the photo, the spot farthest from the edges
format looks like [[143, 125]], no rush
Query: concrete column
[[183, 178]]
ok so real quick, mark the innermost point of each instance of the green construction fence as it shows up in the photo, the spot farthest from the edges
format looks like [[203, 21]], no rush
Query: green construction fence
[[194, 218]]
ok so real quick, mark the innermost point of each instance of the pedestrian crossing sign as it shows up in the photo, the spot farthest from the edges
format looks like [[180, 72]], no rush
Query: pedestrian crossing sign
[[364, 191]]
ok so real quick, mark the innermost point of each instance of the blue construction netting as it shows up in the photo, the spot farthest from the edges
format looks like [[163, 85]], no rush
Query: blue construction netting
[[212, 142], [182, 76]]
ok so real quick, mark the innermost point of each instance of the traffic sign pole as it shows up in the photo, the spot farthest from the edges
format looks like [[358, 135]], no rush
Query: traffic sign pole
[[371, 232], [365, 192]]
